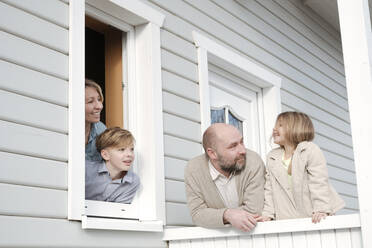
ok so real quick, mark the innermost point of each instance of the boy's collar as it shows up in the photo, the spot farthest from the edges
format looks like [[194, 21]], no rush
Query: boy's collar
[[127, 178]]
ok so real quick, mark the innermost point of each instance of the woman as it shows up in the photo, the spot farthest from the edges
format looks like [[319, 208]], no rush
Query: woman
[[93, 127]]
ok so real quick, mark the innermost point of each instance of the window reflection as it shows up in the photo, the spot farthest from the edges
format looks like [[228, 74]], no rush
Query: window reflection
[[218, 115], [235, 122], [226, 115]]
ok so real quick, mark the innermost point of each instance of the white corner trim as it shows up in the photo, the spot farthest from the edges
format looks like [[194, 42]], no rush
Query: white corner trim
[[76, 117], [121, 224], [237, 60], [280, 226], [141, 9], [204, 89]]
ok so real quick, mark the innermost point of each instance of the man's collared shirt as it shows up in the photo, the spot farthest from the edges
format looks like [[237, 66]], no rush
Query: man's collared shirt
[[100, 187], [226, 187], [91, 152]]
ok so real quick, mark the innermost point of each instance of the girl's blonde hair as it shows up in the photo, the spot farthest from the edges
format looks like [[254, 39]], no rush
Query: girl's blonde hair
[[298, 127], [91, 83]]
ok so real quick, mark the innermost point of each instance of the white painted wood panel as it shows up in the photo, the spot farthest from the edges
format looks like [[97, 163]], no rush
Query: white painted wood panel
[[328, 238], [33, 56], [52, 10], [32, 112], [32, 201], [271, 240], [313, 239], [180, 86], [285, 240], [32, 141], [64, 233], [299, 239], [181, 127], [310, 239], [180, 148], [177, 214], [174, 168], [356, 237], [258, 240], [263, 21], [179, 65], [31, 171], [180, 106], [175, 191], [273, 44], [32, 28], [178, 45], [34, 84], [343, 239]]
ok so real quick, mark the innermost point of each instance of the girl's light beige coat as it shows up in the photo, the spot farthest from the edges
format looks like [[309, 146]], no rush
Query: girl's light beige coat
[[310, 192]]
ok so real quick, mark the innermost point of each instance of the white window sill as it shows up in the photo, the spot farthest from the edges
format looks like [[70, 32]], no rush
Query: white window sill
[[280, 226], [121, 224]]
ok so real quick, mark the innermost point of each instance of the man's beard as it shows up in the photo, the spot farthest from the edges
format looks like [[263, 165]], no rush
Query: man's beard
[[230, 166]]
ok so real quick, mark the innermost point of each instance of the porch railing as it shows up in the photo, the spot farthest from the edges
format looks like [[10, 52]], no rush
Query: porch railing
[[335, 231]]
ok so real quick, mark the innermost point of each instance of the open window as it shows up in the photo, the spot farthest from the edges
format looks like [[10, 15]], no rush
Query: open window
[[104, 64], [125, 40]]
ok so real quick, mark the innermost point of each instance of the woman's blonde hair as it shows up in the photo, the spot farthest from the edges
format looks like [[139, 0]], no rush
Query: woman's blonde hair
[[91, 83], [298, 127], [114, 137]]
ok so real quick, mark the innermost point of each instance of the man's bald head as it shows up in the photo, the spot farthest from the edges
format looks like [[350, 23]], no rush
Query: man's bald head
[[214, 134]]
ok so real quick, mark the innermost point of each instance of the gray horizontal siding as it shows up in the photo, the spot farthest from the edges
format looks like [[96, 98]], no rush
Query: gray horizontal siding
[[282, 36], [46, 232], [30, 27], [33, 117]]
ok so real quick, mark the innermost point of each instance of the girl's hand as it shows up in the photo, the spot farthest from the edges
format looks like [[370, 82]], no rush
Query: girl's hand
[[263, 218], [317, 216]]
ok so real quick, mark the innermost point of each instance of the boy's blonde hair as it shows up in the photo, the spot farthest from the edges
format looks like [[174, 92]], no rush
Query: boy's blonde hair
[[91, 83], [114, 137], [298, 127]]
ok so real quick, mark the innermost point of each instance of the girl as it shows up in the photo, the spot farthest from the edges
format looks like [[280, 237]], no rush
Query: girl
[[296, 173]]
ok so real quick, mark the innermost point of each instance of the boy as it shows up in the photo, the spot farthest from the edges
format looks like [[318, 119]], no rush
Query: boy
[[111, 180]]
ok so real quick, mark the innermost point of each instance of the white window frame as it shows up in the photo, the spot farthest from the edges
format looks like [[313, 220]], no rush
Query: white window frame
[[144, 113], [269, 102]]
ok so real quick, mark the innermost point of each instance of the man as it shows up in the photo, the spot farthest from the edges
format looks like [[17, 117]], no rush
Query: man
[[226, 184]]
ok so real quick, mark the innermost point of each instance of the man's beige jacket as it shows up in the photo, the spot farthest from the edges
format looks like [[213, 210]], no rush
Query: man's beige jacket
[[204, 202], [310, 191]]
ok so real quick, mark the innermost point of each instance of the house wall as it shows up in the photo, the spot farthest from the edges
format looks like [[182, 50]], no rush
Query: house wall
[[34, 52], [280, 35]]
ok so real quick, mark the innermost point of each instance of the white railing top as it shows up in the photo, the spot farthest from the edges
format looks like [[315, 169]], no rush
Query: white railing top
[[280, 226]]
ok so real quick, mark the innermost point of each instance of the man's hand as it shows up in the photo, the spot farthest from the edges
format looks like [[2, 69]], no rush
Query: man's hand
[[263, 218], [240, 219]]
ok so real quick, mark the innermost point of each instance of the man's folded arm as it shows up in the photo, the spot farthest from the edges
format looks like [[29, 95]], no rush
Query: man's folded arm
[[201, 214]]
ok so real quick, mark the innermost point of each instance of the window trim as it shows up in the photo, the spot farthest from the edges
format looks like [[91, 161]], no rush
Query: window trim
[[269, 102], [145, 93]]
